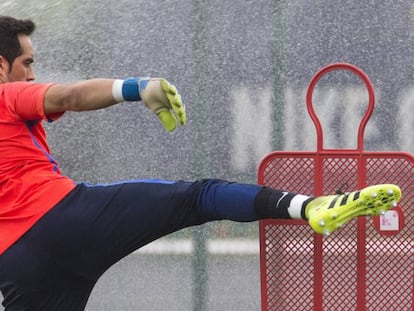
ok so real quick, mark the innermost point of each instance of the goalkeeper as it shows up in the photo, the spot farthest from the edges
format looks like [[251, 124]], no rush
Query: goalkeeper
[[57, 237]]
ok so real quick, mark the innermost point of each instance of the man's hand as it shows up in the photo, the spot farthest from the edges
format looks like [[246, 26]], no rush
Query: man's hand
[[162, 98]]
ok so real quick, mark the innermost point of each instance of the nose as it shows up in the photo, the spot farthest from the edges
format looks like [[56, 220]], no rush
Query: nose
[[30, 75]]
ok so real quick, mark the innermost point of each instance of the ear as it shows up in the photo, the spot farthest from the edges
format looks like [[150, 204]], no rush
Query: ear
[[2, 60], [4, 67]]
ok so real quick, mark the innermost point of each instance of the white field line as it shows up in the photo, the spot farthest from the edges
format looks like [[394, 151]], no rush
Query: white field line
[[214, 247]]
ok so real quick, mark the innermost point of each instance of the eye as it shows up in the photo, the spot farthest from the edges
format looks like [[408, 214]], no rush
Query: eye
[[28, 62]]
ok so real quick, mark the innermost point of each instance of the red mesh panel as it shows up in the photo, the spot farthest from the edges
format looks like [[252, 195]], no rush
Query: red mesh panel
[[291, 254], [389, 260], [303, 271]]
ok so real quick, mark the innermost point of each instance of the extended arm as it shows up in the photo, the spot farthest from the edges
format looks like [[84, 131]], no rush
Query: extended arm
[[158, 95], [79, 96]]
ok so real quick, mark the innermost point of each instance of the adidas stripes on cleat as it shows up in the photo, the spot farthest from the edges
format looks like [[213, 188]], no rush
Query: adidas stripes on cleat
[[325, 214]]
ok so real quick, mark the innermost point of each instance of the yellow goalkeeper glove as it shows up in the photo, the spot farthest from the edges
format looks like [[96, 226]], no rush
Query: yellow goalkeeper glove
[[158, 95]]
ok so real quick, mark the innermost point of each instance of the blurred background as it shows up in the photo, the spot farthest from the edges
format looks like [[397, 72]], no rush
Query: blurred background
[[243, 68]]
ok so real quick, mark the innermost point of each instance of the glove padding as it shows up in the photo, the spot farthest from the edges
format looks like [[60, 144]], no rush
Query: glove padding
[[162, 98]]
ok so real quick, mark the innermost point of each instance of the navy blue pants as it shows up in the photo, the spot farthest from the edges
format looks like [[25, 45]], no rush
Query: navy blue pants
[[56, 264]]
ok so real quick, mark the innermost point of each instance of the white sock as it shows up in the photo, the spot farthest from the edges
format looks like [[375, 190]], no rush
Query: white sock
[[296, 205]]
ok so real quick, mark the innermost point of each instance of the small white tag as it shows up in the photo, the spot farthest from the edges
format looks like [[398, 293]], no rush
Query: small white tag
[[389, 221]]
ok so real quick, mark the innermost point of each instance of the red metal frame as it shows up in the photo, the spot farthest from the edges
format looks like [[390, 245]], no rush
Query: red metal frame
[[286, 246]]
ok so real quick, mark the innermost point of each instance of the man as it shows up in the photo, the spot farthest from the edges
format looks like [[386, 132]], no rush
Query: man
[[58, 237]]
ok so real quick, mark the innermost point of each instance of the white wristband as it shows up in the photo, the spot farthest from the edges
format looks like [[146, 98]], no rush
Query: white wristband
[[117, 90]]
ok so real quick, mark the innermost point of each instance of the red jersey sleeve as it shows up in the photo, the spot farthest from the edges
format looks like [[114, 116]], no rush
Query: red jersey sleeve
[[25, 100]]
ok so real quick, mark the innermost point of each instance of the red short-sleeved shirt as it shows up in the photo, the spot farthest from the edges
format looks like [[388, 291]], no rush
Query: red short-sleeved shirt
[[30, 180]]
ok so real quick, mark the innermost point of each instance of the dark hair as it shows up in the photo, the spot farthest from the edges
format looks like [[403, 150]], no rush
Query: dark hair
[[10, 28]]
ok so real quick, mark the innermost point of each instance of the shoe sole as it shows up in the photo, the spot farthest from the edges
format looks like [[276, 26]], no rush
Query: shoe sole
[[370, 201]]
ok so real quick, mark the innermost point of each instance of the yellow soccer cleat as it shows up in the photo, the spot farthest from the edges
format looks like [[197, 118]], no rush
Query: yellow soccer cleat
[[325, 214]]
